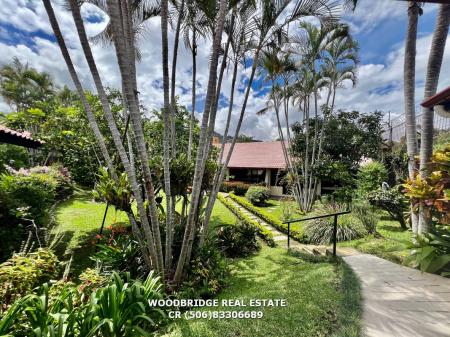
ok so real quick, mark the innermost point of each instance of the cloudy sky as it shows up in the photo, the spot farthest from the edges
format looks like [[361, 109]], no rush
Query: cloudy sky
[[379, 26]]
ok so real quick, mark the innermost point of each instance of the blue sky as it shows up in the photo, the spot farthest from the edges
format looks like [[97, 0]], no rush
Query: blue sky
[[379, 26]]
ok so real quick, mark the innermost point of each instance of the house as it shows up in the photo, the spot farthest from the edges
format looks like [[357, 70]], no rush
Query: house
[[258, 162], [24, 138]]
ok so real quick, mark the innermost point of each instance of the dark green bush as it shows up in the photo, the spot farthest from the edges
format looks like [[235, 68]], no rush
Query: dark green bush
[[238, 187], [371, 176], [320, 231], [392, 201], [207, 273], [365, 213], [22, 272], [237, 240], [258, 195]]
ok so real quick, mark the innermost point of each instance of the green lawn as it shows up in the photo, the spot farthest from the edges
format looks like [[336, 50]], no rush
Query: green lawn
[[78, 221], [323, 299], [391, 243]]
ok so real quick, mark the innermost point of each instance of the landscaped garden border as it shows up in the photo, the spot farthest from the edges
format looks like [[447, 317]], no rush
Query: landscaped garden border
[[269, 218], [264, 233]]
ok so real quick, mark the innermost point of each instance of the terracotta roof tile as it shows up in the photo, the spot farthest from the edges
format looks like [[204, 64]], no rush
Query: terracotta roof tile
[[25, 135], [256, 155]]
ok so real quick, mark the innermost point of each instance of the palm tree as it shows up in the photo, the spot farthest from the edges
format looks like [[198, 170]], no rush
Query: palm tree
[[409, 69], [75, 9], [92, 122], [431, 83]]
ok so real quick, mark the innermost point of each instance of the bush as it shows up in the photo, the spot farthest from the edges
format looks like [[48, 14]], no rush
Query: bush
[[206, 275], [22, 272], [392, 201], [120, 308], [258, 195], [320, 231], [238, 187], [365, 213], [237, 240], [269, 218], [370, 177], [264, 233]]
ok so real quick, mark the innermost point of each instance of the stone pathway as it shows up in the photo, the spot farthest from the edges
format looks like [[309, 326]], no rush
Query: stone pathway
[[400, 301]]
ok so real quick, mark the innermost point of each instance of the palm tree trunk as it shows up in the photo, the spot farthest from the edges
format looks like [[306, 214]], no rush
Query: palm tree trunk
[[409, 89], [168, 109], [431, 83], [194, 79], [90, 116], [111, 123], [124, 43], [200, 163]]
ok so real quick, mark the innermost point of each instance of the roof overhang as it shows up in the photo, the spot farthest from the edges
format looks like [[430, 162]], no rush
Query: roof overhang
[[442, 97], [24, 139]]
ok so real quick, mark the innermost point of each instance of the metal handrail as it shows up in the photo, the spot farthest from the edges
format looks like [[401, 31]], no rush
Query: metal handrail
[[335, 215]]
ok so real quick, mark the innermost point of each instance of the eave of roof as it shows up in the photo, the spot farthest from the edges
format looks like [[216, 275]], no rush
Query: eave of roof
[[24, 139], [440, 98]]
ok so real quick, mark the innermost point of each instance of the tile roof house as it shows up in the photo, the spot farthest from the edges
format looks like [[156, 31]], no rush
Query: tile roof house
[[257, 162], [24, 138]]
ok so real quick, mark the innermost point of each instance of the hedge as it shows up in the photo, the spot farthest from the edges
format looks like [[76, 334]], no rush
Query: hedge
[[238, 187], [269, 218], [264, 233]]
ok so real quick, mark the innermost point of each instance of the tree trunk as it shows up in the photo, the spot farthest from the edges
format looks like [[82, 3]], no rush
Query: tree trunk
[[200, 164], [90, 116], [431, 83], [168, 109], [125, 50], [409, 81], [194, 79]]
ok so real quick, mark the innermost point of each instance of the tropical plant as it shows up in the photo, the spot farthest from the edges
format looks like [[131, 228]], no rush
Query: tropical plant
[[237, 240], [370, 177], [366, 214], [392, 201], [258, 195]]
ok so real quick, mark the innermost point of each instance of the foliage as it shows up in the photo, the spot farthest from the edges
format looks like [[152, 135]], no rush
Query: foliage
[[119, 252], [434, 191], [432, 251], [14, 156], [238, 187], [320, 231], [391, 200], [265, 234], [207, 273], [272, 220], [395, 159], [115, 193], [91, 280], [237, 240], [22, 272], [119, 309], [366, 214], [258, 195], [370, 177]]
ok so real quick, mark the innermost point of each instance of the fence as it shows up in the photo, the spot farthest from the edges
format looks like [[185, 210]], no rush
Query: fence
[[395, 130]]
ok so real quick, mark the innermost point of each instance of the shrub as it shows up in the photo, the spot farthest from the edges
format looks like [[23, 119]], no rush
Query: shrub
[[269, 218], [320, 231], [365, 213], [238, 187], [207, 273], [370, 177], [392, 201], [120, 308], [264, 233], [22, 272], [237, 240], [258, 195]]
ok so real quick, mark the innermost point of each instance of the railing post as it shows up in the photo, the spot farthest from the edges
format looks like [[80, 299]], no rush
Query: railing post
[[334, 234], [289, 234]]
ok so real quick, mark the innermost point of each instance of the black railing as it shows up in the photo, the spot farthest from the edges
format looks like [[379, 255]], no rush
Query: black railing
[[288, 222]]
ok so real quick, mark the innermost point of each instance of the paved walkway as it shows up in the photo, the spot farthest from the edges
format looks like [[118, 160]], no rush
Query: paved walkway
[[400, 301]]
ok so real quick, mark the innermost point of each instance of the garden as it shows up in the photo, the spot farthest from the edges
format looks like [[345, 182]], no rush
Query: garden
[[109, 204]]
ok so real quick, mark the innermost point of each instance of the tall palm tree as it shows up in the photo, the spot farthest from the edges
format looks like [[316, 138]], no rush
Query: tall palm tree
[[431, 82], [409, 79], [75, 9], [90, 116]]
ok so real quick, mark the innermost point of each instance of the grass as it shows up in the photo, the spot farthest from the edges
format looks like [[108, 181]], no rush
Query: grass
[[391, 244], [323, 299], [78, 221]]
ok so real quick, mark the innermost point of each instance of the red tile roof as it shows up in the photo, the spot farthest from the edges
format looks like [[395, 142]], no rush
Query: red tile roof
[[256, 155], [11, 136], [437, 99]]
